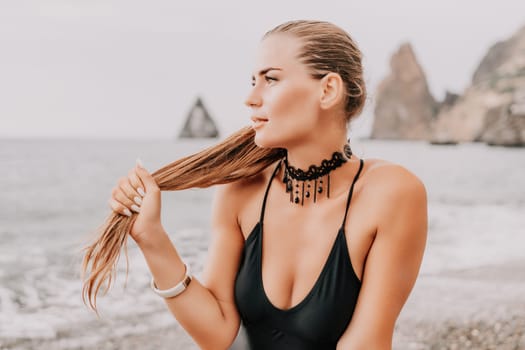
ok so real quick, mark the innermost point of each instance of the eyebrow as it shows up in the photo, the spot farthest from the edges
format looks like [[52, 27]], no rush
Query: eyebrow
[[266, 70]]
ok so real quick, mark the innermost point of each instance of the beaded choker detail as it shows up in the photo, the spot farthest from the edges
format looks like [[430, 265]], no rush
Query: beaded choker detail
[[303, 184]]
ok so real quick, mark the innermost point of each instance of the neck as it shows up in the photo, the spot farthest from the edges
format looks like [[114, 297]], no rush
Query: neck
[[304, 183], [313, 153]]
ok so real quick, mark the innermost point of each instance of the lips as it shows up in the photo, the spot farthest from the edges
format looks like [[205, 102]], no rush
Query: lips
[[258, 119], [258, 122]]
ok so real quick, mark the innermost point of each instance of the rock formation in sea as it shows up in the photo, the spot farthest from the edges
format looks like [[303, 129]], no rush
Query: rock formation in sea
[[487, 111], [405, 108], [491, 109], [199, 123], [505, 124]]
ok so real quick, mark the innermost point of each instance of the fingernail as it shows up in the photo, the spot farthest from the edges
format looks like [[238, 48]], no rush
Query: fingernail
[[135, 208], [139, 163], [141, 191], [137, 200], [127, 212]]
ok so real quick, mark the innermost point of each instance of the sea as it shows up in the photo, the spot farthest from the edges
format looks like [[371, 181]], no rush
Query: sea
[[54, 192]]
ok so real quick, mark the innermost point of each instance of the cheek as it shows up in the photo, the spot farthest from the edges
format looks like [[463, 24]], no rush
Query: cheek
[[293, 115], [295, 104]]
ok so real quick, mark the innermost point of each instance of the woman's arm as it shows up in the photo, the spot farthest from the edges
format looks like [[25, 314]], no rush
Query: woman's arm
[[205, 310], [393, 260]]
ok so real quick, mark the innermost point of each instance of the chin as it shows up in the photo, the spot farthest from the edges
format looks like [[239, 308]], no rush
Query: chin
[[264, 140]]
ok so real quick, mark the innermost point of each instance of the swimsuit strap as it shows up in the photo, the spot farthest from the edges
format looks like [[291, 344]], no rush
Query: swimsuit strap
[[361, 162], [267, 190]]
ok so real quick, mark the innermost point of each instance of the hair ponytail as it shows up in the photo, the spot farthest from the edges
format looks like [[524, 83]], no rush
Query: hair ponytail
[[235, 158]]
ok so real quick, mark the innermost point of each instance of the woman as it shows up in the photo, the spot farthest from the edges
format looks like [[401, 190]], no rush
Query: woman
[[342, 241]]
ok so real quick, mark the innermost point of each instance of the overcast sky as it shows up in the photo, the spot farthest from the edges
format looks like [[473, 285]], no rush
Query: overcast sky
[[133, 69]]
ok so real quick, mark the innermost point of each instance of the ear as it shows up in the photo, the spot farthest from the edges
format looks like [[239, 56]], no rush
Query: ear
[[332, 90]]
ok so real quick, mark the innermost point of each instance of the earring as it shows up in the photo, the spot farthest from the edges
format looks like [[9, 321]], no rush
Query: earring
[[347, 150]]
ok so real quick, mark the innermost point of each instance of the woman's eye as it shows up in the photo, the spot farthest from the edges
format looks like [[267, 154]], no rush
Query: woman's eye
[[267, 78]]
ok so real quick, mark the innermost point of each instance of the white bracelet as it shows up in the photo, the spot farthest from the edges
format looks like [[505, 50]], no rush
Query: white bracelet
[[177, 289]]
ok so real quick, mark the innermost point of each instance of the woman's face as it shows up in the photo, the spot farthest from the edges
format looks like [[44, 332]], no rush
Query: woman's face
[[284, 99]]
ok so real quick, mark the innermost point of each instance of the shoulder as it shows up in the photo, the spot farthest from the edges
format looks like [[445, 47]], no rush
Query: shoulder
[[246, 186], [393, 188], [392, 179], [234, 196]]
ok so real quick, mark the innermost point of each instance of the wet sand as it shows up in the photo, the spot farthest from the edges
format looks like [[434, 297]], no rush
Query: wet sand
[[478, 308]]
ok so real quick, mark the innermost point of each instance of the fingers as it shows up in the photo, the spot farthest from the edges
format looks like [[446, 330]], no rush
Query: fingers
[[121, 204], [128, 194], [136, 183], [146, 178], [123, 194], [118, 207]]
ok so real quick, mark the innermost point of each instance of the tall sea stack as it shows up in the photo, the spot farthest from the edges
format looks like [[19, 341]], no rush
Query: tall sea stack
[[199, 123]]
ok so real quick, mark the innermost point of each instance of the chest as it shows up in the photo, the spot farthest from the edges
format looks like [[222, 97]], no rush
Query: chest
[[331, 298], [296, 243], [294, 250]]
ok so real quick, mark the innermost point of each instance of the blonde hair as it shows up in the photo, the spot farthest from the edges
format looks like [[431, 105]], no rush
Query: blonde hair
[[326, 48]]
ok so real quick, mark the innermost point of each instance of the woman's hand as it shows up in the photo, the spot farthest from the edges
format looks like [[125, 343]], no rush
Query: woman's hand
[[138, 193]]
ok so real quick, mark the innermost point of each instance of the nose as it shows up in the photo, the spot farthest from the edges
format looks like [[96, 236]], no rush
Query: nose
[[254, 98]]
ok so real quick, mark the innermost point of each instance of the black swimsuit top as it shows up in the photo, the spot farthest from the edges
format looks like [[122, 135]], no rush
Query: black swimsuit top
[[320, 319]]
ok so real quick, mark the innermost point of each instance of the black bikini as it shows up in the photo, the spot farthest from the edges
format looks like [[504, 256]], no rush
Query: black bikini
[[320, 319]]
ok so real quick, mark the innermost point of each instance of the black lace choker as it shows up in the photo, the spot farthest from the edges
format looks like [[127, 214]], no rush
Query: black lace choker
[[303, 184]]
